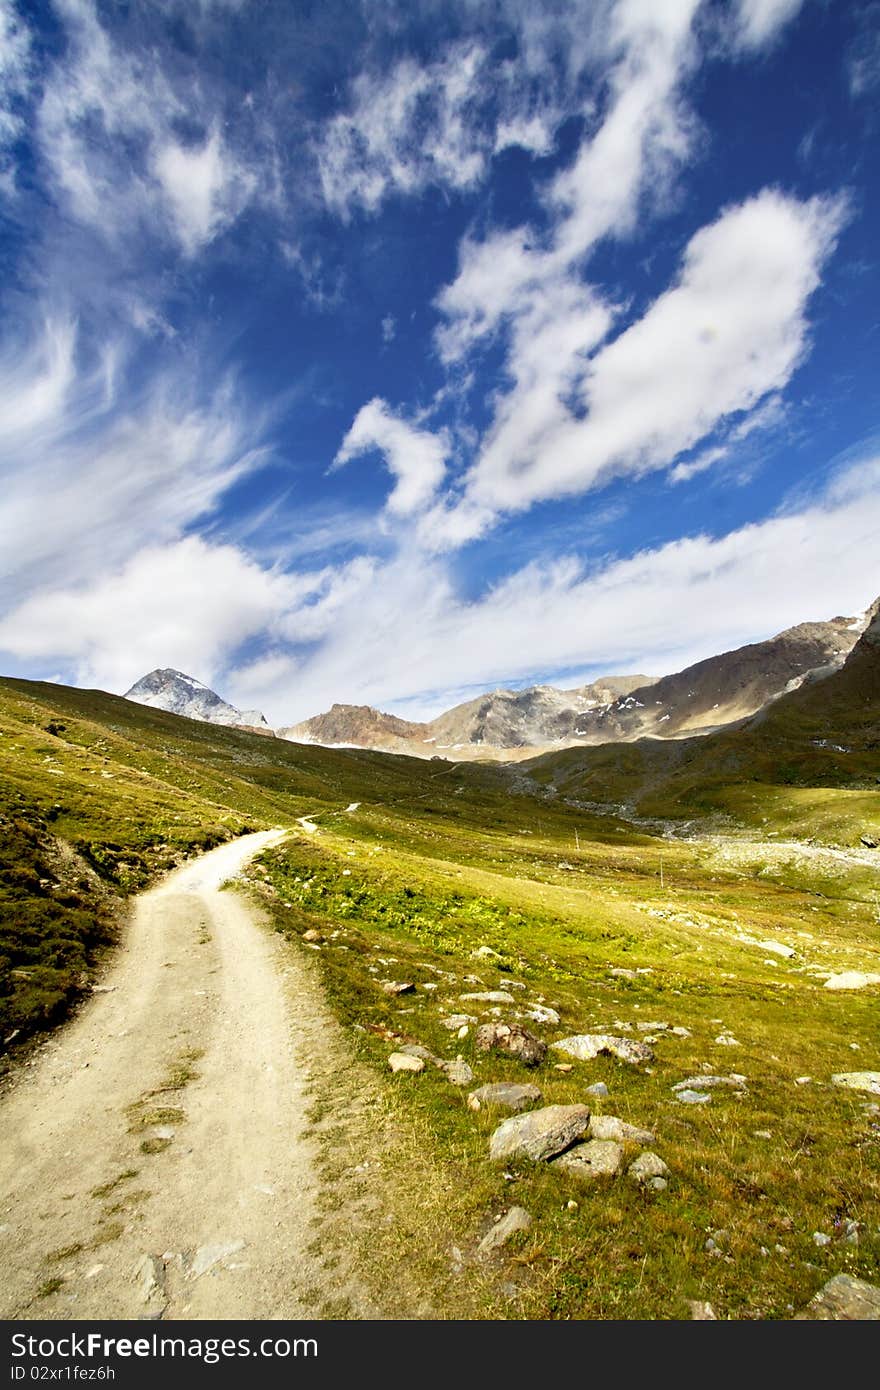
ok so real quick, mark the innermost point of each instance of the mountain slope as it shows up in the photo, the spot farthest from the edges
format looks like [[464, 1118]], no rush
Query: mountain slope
[[614, 709], [822, 739], [181, 694], [724, 688]]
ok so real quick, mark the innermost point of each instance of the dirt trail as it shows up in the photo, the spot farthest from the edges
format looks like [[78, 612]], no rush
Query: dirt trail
[[166, 1122]]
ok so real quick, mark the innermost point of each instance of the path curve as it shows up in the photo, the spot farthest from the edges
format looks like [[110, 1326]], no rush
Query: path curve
[[154, 1161]]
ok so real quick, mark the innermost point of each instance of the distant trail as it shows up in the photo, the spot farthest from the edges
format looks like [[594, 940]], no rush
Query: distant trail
[[196, 1000]]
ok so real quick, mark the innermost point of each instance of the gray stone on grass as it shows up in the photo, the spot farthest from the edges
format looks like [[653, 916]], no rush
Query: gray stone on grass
[[701, 1311], [858, 1081], [844, 1299], [505, 1095], [598, 1158], [513, 1039], [488, 996], [647, 1166], [610, 1127], [540, 1134], [689, 1097], [851, 979], [458, 1072], [517, 1219], [456, 1021], [586, 1046], [540, 1013], [598, 1088], [402, 1062]]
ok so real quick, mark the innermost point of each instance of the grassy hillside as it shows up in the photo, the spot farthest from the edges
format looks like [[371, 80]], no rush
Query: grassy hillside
[[99, 795], [808, 765], [451, 880]]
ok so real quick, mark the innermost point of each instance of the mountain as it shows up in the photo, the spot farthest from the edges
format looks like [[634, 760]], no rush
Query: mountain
[[823, 734], [358, 726], [181, 694], [501, 720], [725, 688], [505, 724], [526, 718]]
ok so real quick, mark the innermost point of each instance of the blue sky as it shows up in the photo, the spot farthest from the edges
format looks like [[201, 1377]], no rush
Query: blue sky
[[391, 352]]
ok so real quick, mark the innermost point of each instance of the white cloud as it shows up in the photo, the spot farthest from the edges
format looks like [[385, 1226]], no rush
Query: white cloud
[[415, 457], [405, 129], [108, 471], [730, 330], [107, 133], [15, 46], [409, 642], [206, 188], [759, 22], [185, 605]]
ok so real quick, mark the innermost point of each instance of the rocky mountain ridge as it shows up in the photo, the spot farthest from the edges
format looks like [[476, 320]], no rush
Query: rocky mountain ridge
[[178, 693]]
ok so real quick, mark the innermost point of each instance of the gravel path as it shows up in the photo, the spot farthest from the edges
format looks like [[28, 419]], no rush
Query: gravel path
[[154, 1161]]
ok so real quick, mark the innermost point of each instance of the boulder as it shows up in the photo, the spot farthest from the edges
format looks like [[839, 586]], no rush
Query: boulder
[[648, 1165], [540, 1013], [396, 987], [540, 1134], [458, 1072], [513, 1039], [844, 1299], [851, 979], [598, 1158], [586, 1046], [401, 1061], [610, 1127], [517, 1219], [505, 1095], [858, 1081]]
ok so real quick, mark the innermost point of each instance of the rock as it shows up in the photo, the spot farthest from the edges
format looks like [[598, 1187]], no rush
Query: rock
[[858, 1081], [485, 953], [648, 1165], [456, 1021], [416, 1050], [207, 1256], [149, 1275], [458, 1072], [513, 1039], [777, 948], [401, 1061], [844, 1299], [610, 1127], [396, 987], [688, 1097], [598, 1158], [869, 841], [820, 1238], [598, 1088], [517, 1219], [586, 1046], [505, 1095], [657, 1184], [488, 996], [702, 1311], [540, 1134], [679, 1032], [312, 935], [851, 979], [622, 973], [652, 1027], [734, 1080], [727, 1040], [541, 1014]]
